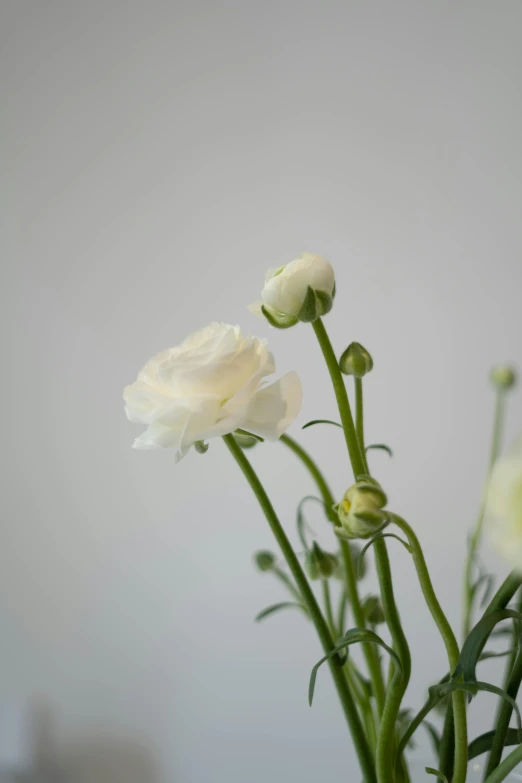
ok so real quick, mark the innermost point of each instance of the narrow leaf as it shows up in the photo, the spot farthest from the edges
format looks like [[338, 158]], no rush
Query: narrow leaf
[[474, 644], [276, 607], [484, 743], [437, 774], [353, 636], [486, 655], [471, 688], [381, 446], [373, 540], [321, 421]]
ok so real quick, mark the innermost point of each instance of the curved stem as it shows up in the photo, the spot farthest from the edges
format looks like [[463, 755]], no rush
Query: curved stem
[[507, 766], [354, 451], [370, 653], [360, 741], [450, 642], [505, 592], [386, 743], [476, 536]]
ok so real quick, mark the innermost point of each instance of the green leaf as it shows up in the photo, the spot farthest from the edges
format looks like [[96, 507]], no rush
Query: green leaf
[[301, 521], [278, 320], [472, 687], [321, 421], [308, 311], [353, 636], [381, 446], [437, 774], [276, 607], [484, 743], [373, 540], [474, 644], [434, 735]]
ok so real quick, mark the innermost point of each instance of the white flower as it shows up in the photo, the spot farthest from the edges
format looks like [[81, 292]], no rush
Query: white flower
[[211, 385], [504, 505], [286, 288]]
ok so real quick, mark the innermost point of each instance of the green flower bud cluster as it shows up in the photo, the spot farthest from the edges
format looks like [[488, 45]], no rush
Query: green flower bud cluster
[[372, 609], [356, 361], [361, 511], [320, 564]]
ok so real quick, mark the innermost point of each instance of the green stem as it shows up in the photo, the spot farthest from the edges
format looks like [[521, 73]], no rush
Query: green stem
[[451, 644], [508, 765], [328, 606], [354, 451], [370, 653], [386, 743], [288, 583], [360, 741], [505, 592], [476, 536], [447, 744], [341, 617], [511, 685], [359, 418]]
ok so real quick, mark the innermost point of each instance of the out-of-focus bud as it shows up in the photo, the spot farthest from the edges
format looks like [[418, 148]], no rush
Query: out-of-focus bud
[[372, 609], [359, 564], [244, 440], [361, 511], [356, 361], [503, 376], [265, 560], [319, 564], [201, 447]]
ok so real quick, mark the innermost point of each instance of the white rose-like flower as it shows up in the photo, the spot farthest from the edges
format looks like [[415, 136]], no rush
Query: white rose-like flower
[[211, 385], [504, 505], [286, 298]]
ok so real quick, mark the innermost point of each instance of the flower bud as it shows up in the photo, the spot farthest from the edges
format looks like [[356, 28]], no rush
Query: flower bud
[[319, 564], [265, 560], [356, 361], [503, 376], [372, 609], [361, 511], [302, 290], [244, 440]]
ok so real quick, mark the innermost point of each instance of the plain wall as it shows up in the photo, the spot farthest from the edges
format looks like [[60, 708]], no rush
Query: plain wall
[[157, 157]]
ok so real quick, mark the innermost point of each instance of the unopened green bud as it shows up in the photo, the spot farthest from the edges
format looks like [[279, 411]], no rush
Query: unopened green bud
[[244, 440], [361, 511], [356, 361], [319, 564], [503, 376], [201, 447], [372, 609], [265, 560]]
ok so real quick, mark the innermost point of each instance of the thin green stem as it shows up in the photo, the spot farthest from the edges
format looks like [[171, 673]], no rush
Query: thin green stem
[[285, 579], [451, 644], [476, 536], [513, 678], [327, 598], [341, 616], [354, 451], [386, 743], [508, 765], [359, 418], [359, 738], [447, 743], [370, 653]]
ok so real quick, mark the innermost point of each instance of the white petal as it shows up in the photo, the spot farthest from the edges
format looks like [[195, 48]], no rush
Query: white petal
[[275, 407], [255, 308]]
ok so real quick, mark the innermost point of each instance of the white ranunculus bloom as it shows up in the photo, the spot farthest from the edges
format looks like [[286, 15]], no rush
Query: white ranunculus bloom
[[286, 288], [211, 385], [504, 505]]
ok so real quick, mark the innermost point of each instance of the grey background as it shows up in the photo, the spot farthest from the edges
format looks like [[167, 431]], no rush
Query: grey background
[[157, 158]]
